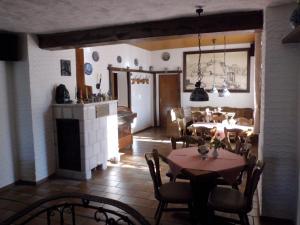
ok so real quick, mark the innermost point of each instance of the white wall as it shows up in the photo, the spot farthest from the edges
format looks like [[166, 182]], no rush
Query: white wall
[[8, 167], [108, 55], [44, 70], [142, 103], [176, 60], [23, 114], [279, 121], [141, 95]]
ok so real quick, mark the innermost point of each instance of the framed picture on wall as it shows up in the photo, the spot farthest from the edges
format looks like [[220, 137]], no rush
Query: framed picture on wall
[[237, 68], [65, 67]]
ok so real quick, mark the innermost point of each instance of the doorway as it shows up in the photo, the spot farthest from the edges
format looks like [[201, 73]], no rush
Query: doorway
[[169, 96], [121, 88]]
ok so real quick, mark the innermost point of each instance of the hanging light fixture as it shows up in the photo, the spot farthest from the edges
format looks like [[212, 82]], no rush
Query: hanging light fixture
[[224, 91], [199, 94], [214, 90]]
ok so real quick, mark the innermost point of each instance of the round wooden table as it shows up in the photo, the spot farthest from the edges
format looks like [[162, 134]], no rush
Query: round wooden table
[[203, 173]]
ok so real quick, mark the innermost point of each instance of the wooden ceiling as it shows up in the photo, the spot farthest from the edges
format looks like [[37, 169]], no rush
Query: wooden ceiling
[[153, 44]]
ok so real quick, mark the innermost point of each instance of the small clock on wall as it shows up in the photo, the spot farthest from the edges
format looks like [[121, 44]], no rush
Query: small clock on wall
[[95, 56], [136, 62], [119, 59], [165, 56]]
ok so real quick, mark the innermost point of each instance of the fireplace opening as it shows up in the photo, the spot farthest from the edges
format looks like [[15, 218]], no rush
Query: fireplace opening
[[68, 143]]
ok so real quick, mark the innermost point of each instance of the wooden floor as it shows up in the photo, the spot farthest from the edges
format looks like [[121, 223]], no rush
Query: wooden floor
[[128, 181]]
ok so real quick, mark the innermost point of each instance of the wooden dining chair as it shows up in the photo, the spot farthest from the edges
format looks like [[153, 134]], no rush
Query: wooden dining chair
[[198, 116], [217, 117], [230, 200], [233, 139], [244, 121], [187, 141], [250, 163], [204, 132], [171, 192]]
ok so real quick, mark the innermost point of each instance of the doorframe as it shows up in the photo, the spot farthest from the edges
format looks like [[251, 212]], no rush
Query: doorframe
[[154, 73], [169, 73]]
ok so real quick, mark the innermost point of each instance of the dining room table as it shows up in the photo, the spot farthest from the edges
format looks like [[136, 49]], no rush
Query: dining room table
[[220, 127], [203, 172]]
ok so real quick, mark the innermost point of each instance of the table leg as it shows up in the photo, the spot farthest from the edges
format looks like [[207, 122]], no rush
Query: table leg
[[201, 188]]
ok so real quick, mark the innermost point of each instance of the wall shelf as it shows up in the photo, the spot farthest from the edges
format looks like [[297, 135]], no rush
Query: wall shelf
[[292, 37]]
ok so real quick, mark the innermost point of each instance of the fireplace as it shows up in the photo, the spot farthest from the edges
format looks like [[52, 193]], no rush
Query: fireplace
[[86, 137]]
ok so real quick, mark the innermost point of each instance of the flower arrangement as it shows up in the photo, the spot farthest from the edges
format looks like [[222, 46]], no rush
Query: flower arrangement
[[216, 142]]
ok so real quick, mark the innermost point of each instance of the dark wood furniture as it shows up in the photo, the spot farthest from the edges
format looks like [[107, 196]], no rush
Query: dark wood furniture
[[234, 137], [64, 209], [125, 118], [230, 200], [227, 21], [171, 192], [204, 132]]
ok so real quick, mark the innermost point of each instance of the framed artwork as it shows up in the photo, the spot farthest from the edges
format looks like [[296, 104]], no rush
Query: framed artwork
[[237, 69], [65, 67]]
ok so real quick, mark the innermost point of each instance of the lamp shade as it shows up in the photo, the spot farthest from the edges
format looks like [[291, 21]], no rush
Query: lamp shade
[[199, 94]]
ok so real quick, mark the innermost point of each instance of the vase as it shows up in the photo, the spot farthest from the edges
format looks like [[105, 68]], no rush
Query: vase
[[215, 153]]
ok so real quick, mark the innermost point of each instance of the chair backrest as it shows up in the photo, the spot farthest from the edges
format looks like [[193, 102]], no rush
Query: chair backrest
[[253, 176], [152, 159], [181, 126], [248, 168], [236, 134], [205, 132], [244, 121], [198, 116], [186, 141], [217, 117]]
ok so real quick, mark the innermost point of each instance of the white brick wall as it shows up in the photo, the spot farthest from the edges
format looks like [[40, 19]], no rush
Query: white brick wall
[[279, 113], [98, 136]]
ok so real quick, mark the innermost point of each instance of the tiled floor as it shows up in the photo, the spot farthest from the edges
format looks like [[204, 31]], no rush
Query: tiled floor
[[129, 181]]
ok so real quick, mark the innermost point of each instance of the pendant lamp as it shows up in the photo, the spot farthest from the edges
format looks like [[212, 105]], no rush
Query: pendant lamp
[[224, 91], [199, 94], [214, 90]]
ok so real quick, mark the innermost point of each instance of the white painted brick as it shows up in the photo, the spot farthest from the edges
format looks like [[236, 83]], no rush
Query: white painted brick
[[279, 115], [67, 113]]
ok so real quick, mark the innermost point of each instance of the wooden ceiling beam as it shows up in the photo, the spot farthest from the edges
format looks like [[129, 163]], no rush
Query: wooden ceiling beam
[[179, 26]]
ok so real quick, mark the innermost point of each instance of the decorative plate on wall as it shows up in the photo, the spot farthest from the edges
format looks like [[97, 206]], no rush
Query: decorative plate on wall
[[95, 56], [136, 62], [165, 56], [88, 68], [119, 59]]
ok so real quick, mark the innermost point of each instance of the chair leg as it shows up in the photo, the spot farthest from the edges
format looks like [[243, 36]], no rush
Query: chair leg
[[244, 219], [157, 209], [161, 209]]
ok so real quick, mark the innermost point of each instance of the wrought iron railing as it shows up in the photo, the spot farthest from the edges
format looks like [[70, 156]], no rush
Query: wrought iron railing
[[66, 208]]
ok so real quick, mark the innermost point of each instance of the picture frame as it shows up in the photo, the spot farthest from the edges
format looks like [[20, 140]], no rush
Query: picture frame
[[65, 67], [237, 68]]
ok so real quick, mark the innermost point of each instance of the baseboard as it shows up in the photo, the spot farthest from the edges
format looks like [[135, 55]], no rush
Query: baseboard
[[275, 221], [34, 183], [6, 187]]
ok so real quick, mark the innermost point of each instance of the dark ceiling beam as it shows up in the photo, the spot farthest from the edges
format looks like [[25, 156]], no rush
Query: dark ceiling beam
[[179, 26]]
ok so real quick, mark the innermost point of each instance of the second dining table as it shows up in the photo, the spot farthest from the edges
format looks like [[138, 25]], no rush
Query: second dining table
[[204, 172]]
